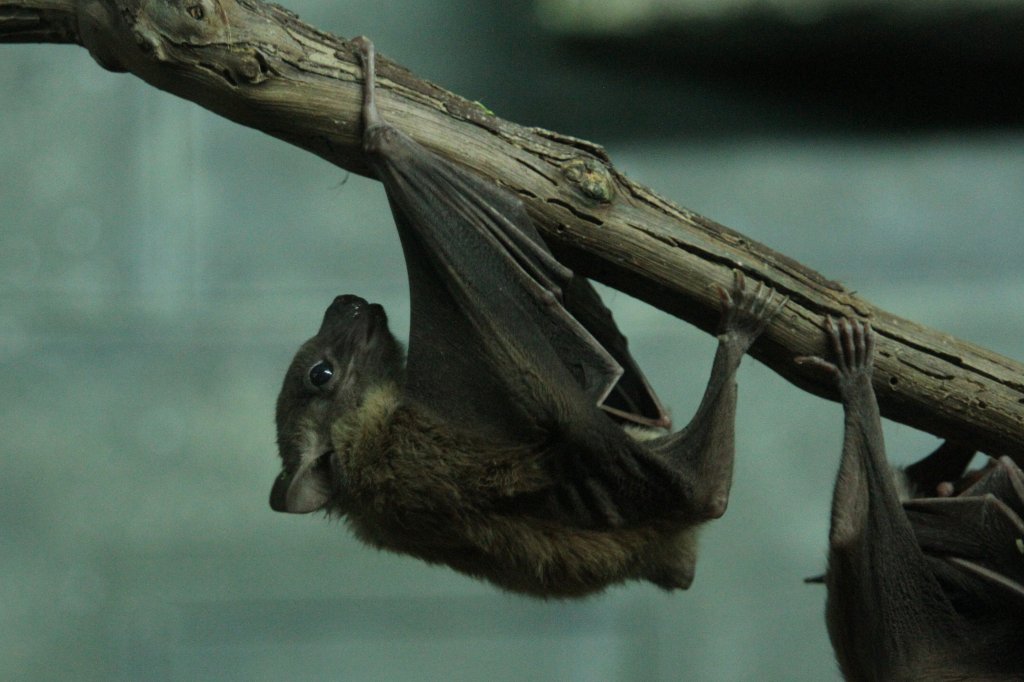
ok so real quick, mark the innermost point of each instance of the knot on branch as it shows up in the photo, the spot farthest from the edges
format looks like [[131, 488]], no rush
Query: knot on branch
[[200, 34], [590, 177], [222, 38]]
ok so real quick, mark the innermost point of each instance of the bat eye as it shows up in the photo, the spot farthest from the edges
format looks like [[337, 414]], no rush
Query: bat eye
[[320, 373]]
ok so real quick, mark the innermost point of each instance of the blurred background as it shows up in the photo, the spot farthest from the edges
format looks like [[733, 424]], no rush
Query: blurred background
[[160, 265]]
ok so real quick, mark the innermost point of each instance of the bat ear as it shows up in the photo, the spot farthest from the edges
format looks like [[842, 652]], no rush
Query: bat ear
[[300, 492]]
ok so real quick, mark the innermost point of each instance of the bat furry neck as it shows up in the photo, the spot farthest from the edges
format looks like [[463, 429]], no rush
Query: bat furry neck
[[369, 419]]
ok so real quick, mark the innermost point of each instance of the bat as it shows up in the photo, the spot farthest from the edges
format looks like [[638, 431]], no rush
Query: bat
[[926, 565], [516, 441]]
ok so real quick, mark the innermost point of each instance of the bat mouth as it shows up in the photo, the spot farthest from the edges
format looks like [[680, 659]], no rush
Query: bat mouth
[[323, 464], [367, 328], [308, 488], [327, 468]]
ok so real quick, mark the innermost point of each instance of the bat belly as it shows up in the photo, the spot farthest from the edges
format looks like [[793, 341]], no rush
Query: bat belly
[[527, 555]]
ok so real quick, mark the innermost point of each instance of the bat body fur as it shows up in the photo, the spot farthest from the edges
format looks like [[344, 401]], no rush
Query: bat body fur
[[931, 586], [419, 487], [498, 446]]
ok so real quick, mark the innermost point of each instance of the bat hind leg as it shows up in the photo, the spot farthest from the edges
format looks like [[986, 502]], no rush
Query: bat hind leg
[[703, 451]]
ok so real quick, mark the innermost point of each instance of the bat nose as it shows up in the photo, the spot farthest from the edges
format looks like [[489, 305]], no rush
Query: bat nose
[[356, 306], [349, 306], [353, 312], [348, 300]]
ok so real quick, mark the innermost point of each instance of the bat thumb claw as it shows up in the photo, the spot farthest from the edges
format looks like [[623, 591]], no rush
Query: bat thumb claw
[[816, 363]]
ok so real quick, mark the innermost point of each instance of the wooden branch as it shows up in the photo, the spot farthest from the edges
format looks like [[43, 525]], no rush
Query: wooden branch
[[258, 65]]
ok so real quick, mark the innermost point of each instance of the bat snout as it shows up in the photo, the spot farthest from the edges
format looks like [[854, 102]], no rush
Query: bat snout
[[355, 314], [352, 306], [347, 302]]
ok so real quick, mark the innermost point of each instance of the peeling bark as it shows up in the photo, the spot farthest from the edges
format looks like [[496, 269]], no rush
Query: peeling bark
[[259, 65]]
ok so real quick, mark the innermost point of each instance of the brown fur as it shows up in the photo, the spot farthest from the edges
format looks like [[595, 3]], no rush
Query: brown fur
[[564, 507], [418, 488]]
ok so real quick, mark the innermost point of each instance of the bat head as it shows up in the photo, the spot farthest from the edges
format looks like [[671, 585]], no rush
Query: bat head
[[351, 353]]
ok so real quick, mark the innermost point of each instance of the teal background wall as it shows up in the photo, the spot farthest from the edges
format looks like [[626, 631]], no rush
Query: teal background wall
[[160, 265]]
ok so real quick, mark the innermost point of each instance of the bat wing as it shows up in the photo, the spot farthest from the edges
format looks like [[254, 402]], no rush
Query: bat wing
[[508, 344], [1003, 479], [631, 398], [946, 464], [487, 297], [495, 317], [980, 535]]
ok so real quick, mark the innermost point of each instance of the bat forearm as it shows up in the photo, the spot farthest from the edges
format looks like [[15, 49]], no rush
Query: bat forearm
[[851, 494], [705, 448], [718, 403]]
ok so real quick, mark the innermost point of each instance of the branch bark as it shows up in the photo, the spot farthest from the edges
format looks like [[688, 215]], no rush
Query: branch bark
[[259, 65]]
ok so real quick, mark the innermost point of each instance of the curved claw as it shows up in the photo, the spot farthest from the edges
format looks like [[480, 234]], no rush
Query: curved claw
[[725, 297], [747, 313], [853, 346]]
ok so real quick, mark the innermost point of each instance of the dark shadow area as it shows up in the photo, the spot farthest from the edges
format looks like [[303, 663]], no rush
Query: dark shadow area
[[849, 72]]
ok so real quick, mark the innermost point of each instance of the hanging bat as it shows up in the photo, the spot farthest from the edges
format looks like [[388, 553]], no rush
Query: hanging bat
[[502, 445], [930, 587]]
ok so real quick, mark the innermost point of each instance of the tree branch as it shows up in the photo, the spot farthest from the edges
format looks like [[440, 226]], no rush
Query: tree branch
[[260, 66]]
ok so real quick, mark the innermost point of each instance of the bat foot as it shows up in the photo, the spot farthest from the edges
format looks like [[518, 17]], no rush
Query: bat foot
[[746, 313], [364, 49], [853, 347], [362, 45]]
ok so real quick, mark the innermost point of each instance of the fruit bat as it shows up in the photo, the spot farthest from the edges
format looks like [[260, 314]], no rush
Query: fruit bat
[[501, 445], [926, 565]]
